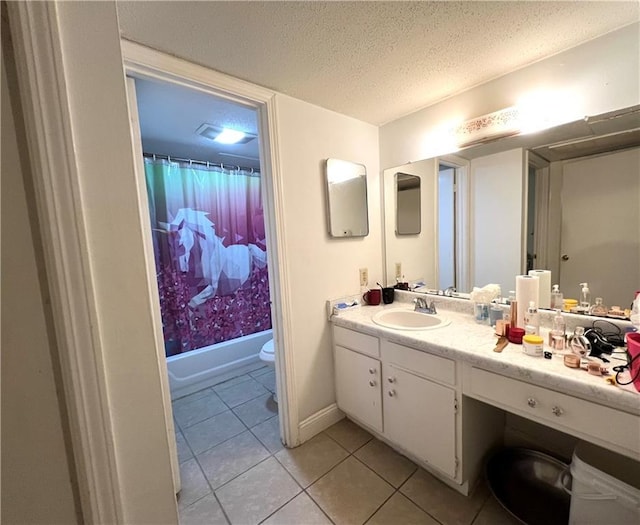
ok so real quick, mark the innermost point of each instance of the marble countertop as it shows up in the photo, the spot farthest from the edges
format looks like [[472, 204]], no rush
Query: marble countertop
[[466, 340]]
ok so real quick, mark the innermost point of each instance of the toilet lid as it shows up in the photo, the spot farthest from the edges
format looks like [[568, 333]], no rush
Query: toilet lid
[[267, 348]]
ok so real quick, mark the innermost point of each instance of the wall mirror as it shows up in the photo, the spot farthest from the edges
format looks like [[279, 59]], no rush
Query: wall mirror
[[346, 199], [407, 204], [566, 199]]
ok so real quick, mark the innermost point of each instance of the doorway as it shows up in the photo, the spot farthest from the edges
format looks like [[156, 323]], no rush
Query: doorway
[[146, 64]]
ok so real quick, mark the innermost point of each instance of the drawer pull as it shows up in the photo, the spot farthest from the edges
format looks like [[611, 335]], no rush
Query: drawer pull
[[532, 402], [372, 370], [557, 411], [391, 379], [372, 383], [392, 393]]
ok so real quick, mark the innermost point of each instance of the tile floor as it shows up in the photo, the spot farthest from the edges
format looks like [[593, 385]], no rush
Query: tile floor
[[235, 470]]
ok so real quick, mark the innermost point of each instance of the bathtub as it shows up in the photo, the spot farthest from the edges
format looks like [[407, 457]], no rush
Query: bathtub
[[204, 367]]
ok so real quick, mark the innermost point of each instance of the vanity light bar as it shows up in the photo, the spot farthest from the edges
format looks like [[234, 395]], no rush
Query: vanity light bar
[[492, 126]]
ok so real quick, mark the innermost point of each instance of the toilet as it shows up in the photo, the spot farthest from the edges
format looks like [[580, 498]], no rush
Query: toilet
[[267, 355]]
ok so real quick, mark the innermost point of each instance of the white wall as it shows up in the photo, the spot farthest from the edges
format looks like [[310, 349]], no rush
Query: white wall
[[416, 253], [497, 199], [320, 267], [599, 76], [37, 481]]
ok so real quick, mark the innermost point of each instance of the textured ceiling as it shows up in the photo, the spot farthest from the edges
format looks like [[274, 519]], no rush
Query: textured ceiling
[[375, 61]]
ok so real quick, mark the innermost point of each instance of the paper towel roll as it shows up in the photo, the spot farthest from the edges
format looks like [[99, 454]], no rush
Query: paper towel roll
[[527, 287], [545, 287]]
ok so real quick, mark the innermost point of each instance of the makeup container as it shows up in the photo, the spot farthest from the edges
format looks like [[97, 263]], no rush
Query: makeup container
[[572, 361], [515, 335], [533, 345]]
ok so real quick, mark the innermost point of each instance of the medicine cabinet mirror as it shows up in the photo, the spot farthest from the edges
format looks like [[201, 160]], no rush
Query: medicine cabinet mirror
[[407, 204], [346, 198], [553, 199]]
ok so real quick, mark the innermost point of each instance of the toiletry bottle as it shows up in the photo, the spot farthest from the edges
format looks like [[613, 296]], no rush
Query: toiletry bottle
[[598, 308], [513, 313], [495, 312], [531, 320], [556, 297], [585, 299], [579, 343], [558, 333]]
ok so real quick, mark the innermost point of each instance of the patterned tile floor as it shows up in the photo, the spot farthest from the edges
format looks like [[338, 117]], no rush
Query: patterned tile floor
[[234, 469]]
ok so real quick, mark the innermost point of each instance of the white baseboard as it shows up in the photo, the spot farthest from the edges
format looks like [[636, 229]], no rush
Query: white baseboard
[[319, 421]]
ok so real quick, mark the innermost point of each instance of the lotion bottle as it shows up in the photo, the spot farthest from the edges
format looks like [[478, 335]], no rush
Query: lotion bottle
[[532, 320]]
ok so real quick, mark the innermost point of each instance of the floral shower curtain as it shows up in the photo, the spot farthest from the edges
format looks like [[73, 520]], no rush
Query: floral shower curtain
[[210, 252]]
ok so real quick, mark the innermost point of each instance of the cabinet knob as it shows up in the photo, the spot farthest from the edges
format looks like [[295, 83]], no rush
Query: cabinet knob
[[391, 379], [531, 402], [372, 370], [372, 383], [557, 411], [392, 393]]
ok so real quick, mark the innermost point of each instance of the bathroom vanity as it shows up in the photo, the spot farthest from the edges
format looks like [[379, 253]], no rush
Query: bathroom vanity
[[439, 396]]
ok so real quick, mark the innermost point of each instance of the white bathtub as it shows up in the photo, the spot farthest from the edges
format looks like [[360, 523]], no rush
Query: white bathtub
[[198, 369]]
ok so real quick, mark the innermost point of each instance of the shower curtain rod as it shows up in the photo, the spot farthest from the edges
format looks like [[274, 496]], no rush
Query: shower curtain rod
[[203, 162]]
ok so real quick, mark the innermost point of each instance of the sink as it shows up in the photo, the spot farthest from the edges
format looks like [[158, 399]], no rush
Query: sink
[[402, 319]]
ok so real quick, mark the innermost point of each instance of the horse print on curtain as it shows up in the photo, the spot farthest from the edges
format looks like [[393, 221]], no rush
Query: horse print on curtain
[[210, 253]]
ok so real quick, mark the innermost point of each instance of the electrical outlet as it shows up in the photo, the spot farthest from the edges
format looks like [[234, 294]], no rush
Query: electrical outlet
[[364, 277], [398, 271]]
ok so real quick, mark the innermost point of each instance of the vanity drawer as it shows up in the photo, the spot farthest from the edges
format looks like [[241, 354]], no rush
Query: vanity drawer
[[432, 366], [573, 415], [363, 343]]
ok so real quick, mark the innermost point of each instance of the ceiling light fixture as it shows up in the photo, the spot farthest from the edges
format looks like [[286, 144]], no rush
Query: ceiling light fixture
[[224, 135], [229, 136]]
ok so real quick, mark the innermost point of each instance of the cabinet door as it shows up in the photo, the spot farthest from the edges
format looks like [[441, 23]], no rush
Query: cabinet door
[[419, 415], [358, 386]]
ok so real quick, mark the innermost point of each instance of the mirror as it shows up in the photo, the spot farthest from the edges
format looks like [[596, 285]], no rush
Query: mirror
[[407, 204], [346, 199], [566, 199]]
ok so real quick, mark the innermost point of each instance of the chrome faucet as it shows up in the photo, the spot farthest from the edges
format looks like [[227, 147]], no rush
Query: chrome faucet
[[423, 305], [449, 291]]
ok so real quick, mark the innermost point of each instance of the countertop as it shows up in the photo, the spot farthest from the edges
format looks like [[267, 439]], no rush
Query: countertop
[[466, 340]]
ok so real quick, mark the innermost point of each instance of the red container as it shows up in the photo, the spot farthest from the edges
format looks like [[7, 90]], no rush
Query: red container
[[515, 335], [633, 347]]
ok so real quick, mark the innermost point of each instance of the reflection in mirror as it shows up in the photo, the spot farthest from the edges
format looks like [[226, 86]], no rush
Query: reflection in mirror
[[446, 227], [582, 181], [407, 204], [347, 199]]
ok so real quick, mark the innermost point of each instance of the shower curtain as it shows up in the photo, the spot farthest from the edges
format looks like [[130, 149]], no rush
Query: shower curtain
[[210, 252]]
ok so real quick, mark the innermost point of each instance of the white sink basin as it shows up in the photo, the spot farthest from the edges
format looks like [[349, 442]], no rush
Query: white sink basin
[[402, 319]]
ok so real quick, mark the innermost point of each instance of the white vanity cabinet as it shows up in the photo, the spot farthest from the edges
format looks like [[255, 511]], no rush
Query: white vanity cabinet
[[419, 415], [358, 390], [419, 405], [405, 395]]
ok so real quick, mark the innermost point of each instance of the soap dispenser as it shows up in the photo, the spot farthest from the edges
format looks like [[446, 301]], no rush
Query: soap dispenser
[[556, 298], [585, 299]]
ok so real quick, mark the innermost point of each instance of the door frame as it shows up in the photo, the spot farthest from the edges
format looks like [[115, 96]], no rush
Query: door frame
[[39, 30], [142, 61]]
